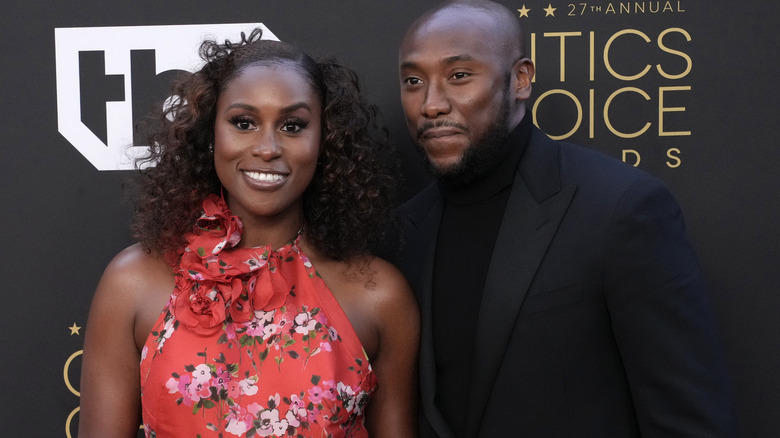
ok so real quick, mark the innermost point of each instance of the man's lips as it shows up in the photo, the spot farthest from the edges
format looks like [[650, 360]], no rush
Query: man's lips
[[439, 129], [440, 132]]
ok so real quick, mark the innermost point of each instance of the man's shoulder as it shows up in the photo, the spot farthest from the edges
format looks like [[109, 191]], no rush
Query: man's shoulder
[[428, 196], [594, 173], [586, 164]]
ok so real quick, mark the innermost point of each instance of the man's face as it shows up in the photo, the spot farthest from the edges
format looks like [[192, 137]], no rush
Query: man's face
[[454, 92]]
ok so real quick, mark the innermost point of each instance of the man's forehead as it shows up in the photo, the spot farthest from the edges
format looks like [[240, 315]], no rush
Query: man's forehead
[[453, 31], [445, 47]]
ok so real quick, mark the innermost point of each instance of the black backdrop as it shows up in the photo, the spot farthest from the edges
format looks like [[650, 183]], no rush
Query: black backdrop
[[701, 74]]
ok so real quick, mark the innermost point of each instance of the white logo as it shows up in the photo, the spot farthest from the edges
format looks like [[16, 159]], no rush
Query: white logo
[[107, 78]]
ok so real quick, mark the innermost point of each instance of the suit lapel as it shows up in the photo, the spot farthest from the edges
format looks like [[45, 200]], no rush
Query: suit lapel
[[418, 265], [534, 210]]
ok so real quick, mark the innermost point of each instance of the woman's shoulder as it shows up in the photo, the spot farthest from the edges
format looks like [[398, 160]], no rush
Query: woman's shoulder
[[373, 293], [378, 289], [365, 278], [134, 289], [135, 265], [134, 278]]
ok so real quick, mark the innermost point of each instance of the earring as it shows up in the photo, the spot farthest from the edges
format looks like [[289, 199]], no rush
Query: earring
[[211, 148]]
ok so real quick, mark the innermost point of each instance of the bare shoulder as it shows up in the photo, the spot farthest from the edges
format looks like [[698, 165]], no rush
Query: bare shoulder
[[372, 282], [135, 286], [385, 284], [374, 295], [134, 264]]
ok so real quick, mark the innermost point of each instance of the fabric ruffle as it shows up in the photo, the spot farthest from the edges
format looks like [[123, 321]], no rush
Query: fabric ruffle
[[216, 281]]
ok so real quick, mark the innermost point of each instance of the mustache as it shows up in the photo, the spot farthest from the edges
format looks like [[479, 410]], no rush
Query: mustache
[[438, 124]]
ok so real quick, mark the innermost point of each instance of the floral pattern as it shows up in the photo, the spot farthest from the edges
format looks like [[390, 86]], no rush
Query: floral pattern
[[252, 343]]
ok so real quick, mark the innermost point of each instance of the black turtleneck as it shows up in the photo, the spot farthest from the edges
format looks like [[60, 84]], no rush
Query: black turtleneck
[[467, 235]]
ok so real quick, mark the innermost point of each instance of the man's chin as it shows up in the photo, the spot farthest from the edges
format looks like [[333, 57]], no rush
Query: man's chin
[[444, 168], [452, 174]]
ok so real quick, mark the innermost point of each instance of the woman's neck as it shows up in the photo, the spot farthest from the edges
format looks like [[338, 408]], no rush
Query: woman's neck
[[267, 231]]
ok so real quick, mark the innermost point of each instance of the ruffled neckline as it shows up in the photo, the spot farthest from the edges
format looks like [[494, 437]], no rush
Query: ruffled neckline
[[218, 282]]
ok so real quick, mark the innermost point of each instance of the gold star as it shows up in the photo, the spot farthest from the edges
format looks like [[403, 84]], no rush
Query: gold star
[[523, 12], [550, 11], [74, 329]]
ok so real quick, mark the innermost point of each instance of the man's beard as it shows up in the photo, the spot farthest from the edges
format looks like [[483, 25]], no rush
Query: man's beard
[[478, 158]]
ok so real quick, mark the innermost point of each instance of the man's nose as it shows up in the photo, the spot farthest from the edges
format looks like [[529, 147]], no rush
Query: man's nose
[[436, 102]]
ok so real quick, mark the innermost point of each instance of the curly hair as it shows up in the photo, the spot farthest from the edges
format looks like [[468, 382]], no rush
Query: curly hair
[[349, 204]]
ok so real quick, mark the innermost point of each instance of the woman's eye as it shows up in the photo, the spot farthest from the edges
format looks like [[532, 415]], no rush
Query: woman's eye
[[243, 123], [293, 126]]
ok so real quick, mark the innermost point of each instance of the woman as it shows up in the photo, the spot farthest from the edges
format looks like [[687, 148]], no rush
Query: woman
[[258, 215]]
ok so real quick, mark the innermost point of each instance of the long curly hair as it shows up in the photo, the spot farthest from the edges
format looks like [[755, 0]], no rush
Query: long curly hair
[[349, 204]]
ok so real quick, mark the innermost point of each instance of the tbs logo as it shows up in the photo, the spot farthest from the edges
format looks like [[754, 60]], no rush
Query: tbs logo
[[109, 77]]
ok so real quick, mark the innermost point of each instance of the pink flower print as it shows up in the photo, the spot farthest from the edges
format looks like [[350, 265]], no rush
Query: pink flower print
[[329, 392], [235, 235], [346, 395], [361, 400], [315, 394], [297, 410], [197, 276], [284, 319], [234, 389], [325, 346], [254, 409], [144, 351], [304, 323], [222, 379], [219, 247], [248, 386], [238, 420], [313, 413], [255, 328], [197, 391], [292, 420], [280, 427], [230, 331], [184, 383], [265, 316], [333, 333], [268, 419], [202, 373], [173, 385], [166, 333], [270, 330], [255, 263], [273, 401], [236, 427]]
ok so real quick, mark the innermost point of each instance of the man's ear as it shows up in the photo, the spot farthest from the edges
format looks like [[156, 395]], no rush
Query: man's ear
[[523, 73]]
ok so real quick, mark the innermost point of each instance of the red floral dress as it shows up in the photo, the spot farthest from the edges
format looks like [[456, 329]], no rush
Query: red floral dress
[[251, 343]]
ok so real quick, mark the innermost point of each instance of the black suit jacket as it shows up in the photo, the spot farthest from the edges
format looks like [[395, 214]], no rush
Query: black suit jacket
[[594, 319]]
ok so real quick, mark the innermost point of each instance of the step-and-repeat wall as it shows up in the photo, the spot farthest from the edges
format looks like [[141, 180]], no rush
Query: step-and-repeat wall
[[683, 89]]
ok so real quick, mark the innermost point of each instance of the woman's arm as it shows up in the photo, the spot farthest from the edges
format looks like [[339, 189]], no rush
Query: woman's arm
[[110, 382], [392, 411]]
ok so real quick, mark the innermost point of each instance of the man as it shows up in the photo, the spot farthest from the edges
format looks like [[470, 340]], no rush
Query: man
[[560, 296]]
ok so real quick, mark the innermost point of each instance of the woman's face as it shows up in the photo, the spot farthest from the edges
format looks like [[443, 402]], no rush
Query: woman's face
[[266, 141]]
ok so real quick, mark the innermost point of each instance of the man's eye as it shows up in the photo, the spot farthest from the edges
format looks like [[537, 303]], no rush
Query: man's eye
[[413, 81], [460, 75]]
